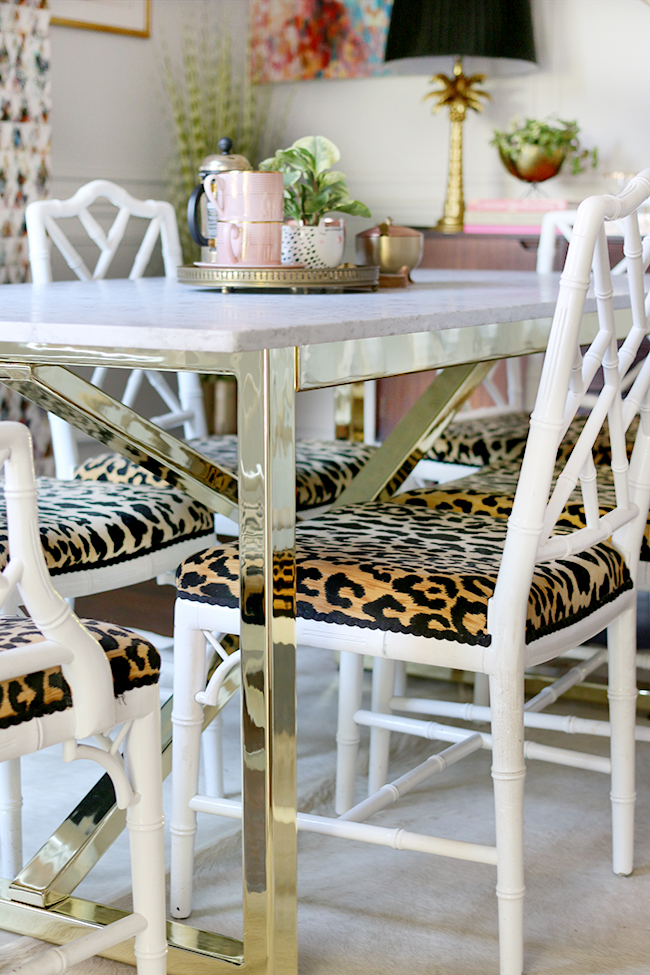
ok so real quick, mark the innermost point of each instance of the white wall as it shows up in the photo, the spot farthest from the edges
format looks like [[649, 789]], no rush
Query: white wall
[[108, 117]]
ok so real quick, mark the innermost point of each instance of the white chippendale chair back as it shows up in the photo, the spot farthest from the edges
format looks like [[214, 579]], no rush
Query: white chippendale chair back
[[42, 218], [566, 376]]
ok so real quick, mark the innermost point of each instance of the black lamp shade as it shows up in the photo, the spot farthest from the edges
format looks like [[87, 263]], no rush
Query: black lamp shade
[[477, 28]]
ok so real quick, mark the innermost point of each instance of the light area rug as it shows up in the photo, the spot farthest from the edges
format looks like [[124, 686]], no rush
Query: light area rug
[[366, 910]]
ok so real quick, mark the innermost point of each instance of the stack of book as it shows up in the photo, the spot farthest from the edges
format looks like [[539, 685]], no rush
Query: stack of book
[[510, 216]]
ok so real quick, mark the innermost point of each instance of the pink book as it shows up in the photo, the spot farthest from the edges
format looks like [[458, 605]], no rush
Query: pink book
[[502, 228], [536, 204]]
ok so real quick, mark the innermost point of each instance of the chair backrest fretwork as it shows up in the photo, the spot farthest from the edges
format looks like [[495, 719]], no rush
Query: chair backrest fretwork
[[566, 376], [42, 218]]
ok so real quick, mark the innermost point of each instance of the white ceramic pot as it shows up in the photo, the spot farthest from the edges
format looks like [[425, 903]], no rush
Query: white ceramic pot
[[320, 246]]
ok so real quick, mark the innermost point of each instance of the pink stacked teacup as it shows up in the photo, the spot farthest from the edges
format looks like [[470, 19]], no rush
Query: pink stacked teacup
[[250, 211]]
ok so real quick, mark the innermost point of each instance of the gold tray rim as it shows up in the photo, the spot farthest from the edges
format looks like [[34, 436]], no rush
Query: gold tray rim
[[283, 278]]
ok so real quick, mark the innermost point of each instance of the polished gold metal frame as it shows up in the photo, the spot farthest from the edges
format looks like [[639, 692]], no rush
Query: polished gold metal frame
[[110, 28]]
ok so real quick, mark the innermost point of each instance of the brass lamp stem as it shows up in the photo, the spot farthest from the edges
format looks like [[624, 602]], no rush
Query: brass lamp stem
[[451, 221], [460, 93]]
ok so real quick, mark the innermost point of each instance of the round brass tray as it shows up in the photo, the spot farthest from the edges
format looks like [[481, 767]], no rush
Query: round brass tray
[[299, 280]]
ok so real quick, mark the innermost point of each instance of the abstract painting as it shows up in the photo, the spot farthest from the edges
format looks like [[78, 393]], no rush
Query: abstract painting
[[294, 40]]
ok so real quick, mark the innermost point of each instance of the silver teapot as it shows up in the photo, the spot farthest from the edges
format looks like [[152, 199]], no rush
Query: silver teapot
[[201, 213]]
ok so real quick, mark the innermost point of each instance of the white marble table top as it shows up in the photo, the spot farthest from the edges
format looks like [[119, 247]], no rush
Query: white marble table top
[[155, 313]]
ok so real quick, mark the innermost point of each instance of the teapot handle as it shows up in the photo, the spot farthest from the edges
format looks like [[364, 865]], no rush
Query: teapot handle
[[193, 217]]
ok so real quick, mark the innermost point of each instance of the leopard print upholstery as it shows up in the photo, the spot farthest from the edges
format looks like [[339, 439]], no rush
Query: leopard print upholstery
[[501, 439], [323, 468], [479, 442], [413, 570], [134, 663], [83, 524], [491, 492]]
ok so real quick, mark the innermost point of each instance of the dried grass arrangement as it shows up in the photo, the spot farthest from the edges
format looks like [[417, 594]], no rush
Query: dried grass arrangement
[[211, 94]]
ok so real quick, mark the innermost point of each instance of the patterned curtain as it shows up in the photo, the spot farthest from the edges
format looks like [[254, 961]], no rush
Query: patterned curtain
[[25, 105]]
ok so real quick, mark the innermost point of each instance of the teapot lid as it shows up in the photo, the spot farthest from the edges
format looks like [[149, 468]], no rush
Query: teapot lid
[[390, 229], [224, 160]]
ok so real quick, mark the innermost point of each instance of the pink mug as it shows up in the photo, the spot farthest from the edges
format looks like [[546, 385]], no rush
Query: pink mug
[[246, 195], [254, 243]]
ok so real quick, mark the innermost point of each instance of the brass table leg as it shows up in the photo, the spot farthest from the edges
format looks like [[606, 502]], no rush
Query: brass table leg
[[267, 515], [267, 385]]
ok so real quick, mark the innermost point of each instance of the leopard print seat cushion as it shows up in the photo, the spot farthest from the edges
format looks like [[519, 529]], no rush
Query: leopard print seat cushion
[[414, 570], [134, 663], [479, 442], [86, 524], [491, 440], [491, 492], [324, 468]]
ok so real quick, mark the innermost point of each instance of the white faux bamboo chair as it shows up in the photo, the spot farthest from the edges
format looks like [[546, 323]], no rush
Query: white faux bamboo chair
[[409, 582], [97, 537], [42, 218], [59, 684], [497, 484]]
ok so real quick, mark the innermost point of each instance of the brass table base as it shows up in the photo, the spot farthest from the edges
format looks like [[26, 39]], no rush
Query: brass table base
[[190, 950]]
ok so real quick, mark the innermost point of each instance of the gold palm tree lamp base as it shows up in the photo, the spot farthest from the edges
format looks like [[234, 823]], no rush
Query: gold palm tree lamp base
[[460, 93]]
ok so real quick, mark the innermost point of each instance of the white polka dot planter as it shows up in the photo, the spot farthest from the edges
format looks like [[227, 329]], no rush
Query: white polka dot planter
[[320, 246]]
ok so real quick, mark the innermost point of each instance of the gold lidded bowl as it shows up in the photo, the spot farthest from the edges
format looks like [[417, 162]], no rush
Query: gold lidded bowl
[[390, 247]]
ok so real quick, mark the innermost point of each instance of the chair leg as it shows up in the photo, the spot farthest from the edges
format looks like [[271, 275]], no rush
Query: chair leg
[[400, 678], [622, 694], [508, 774], [212, 751], [481, 691], [347, 735], [383, 688], [187, 721], [144, 820], [11, 826]]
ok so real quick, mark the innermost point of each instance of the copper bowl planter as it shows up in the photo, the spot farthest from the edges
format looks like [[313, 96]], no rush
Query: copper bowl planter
[[533, 164]]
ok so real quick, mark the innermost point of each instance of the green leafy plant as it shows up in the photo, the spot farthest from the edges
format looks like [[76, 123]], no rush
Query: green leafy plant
[[210, 94], [311, 187], [551, 135]]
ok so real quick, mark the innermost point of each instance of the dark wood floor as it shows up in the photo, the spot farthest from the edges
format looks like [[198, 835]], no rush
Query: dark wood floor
[[147, 606]]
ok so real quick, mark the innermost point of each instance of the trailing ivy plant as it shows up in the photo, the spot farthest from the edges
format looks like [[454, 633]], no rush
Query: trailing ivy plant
[[550, 134], [311, 187]]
